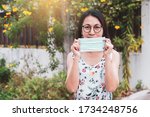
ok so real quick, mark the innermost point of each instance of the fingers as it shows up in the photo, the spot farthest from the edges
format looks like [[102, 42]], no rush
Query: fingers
[[75, 47], [76, 44], [108, 46], [107, 40], [76, 41]]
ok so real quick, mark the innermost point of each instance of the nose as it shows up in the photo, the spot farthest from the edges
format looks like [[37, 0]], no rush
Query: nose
[[92, 31]]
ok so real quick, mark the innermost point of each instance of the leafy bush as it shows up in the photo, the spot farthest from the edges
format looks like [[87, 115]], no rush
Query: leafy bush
[[36, 88], [139, 85], [7, 92], [4, 72], [122, 90]]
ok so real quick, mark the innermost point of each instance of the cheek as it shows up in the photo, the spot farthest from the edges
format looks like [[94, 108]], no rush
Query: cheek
[[100, 34], [84, 34]]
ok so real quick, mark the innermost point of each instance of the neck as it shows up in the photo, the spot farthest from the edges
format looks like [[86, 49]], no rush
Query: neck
[[92, 58]]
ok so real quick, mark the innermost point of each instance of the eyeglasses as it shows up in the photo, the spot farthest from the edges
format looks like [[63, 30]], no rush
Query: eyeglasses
[[87, 28]]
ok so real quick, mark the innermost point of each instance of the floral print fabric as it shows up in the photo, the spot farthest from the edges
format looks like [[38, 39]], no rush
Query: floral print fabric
[[91, 82]]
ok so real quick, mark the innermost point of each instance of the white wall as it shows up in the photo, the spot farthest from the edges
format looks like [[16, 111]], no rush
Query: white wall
[[32, 56]]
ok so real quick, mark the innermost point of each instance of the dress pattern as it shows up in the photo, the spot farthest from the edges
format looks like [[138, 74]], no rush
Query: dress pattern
[[91, 82]]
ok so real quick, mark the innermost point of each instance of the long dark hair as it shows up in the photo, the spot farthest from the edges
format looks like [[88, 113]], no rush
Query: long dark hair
[[99, 16]]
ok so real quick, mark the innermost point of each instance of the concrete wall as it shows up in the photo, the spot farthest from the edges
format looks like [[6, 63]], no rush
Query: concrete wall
[[31, 58]]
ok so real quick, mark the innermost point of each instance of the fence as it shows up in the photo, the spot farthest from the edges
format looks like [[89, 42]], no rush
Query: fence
[[26, 38]]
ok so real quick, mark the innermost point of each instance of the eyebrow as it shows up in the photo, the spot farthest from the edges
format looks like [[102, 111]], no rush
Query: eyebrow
[[90, 25]]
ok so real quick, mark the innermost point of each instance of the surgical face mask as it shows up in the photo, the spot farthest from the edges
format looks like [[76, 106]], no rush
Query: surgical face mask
[[92, 44]]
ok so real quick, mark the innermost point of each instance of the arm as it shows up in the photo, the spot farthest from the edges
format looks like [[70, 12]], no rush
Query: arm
[[112, 61], [111, 71], [72, 80]]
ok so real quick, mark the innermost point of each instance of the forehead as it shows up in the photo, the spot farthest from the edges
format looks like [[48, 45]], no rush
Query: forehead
[[91, 20]]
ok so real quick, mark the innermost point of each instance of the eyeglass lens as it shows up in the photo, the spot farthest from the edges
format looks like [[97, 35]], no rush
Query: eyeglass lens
[[87, 28]]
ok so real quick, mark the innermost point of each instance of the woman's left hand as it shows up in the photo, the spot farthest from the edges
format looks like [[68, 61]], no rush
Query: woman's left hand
[[108, 47]]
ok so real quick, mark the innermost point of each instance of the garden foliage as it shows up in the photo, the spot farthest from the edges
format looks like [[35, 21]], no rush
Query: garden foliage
[[35, 89]]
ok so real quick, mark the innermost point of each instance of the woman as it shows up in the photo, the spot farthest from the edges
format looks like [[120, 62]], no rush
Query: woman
[[92, 75]]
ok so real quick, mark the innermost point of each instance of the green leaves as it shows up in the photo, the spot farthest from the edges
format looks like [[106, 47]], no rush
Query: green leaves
[[35, 88], [5, 73], [58, 34]]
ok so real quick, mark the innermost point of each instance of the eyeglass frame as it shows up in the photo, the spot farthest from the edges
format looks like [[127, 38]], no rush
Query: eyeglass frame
[[100, 27]]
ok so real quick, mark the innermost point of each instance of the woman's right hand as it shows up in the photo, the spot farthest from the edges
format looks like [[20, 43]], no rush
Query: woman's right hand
[[75, 48]]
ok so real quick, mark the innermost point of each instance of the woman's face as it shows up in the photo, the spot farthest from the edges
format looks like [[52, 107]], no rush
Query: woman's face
[[91, 27]]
